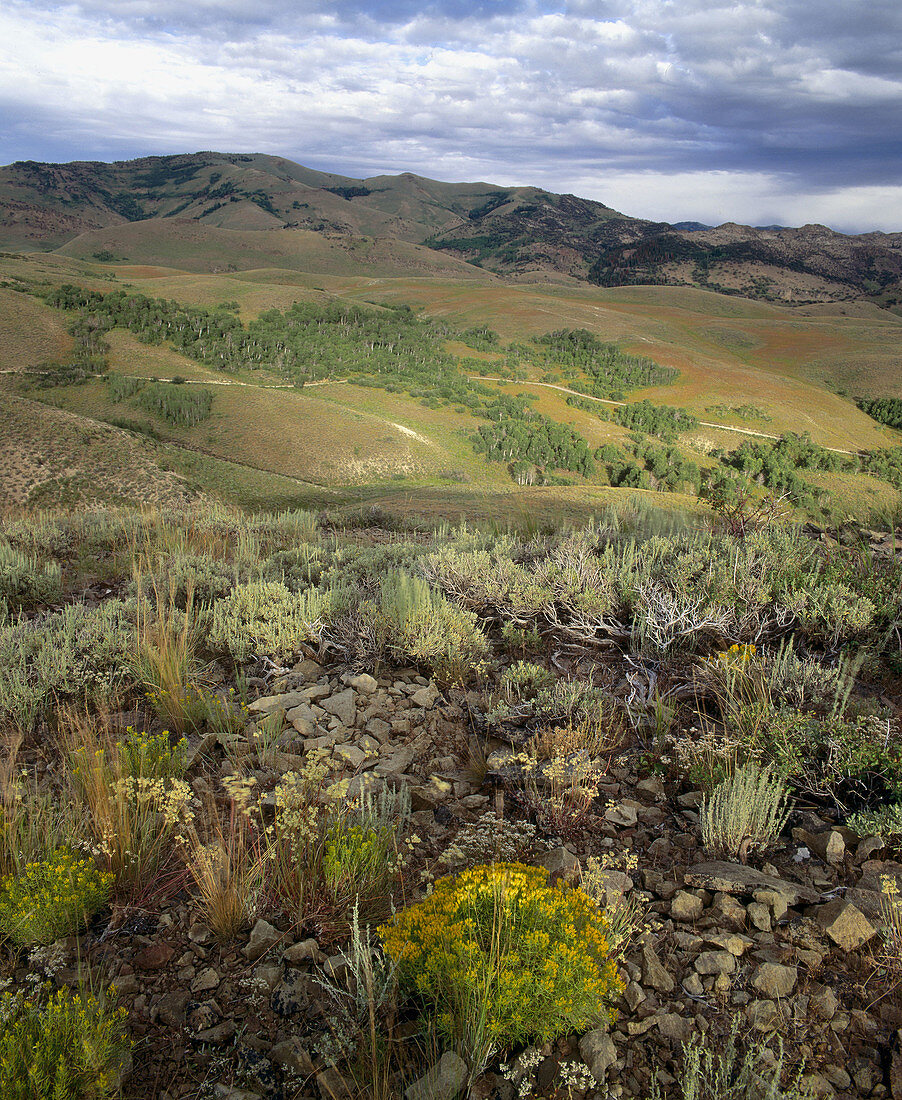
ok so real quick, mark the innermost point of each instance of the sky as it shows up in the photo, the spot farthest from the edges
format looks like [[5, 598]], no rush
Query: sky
[[756, 111]]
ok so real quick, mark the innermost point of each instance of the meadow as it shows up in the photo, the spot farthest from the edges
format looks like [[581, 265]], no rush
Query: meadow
[[352, 805]]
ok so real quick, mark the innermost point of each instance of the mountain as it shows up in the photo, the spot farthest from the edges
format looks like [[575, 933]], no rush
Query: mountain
[[215, 211]]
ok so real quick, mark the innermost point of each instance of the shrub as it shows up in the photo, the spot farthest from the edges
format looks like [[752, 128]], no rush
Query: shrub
[[750, 807], [70, 653], [74, 1048], [886, 821], [416, 623], [51, 898], [716, 1068], [24, 581], [134, 797], [504, 957], [265, 618]]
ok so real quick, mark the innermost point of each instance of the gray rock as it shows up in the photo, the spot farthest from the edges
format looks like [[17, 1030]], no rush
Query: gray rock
[[686, 906], [425, 697], [734, 878], [304, 951], [363, 682], [264, 937], [268, 704], [845, 924], [621, 814], [351, 755], [653, 973], [869, 848], [762, 1015], [675, 1027], [560, 863], [343, 704], [333, 1085], [206, 980], [759, 915], [292, 1055], [775, 981], [597, 1050], [443, 1082], [171, 1008], [233, 1092], [397, 763], [715, 962]]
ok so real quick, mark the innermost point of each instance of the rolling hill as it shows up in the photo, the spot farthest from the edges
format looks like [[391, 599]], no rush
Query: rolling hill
[[213, 211]]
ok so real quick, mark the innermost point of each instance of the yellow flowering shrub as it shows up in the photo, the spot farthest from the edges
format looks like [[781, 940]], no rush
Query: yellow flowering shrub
[[72, 1049], [52, 898], [497, 950]]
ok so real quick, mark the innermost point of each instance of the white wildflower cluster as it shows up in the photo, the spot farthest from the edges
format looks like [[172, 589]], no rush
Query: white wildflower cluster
[[520, 1072], [493, 839]]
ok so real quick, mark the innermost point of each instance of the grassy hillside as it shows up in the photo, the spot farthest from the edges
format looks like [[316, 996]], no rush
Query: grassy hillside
[[747, 370]]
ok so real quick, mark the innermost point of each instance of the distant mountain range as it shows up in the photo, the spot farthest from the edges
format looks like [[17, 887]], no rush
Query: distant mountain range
[[242, 211]]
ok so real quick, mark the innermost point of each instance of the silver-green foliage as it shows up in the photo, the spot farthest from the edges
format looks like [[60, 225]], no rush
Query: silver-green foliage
[[24, 580], [265, 618], [71, 653], [885, 821], [415, 622], [751, 805], [719, 1069]]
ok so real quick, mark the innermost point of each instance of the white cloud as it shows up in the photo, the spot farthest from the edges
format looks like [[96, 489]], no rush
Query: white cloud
[[753, 109]]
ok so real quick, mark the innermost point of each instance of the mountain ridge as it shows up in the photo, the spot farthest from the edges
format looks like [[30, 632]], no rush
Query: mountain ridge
[[512, 232]]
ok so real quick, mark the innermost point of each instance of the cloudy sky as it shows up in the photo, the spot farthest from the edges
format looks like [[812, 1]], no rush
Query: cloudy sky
[[756, 111]]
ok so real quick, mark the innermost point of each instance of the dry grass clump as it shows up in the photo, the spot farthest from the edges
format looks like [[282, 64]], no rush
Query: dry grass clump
[[134, 796]]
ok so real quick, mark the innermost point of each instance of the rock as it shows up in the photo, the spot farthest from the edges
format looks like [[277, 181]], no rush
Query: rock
[[362, 683], [333, 1085], [219, 1033], [734, 878], [759, 915], [206, 980], [268, 976], [835, 850], [264, 937], [775, 981], [380, 729], [425, 697], [634, 995], [395, 764], [621, 814], [675, 1027], [292, 1055], [845, 924], [653, 973], [443, 1082], [232, 1092], [304, 951], [735, 944], [269, 704], [199, 933], [154, 957], [307, 670], [343, 704], [715, 962], [823, 1003], [762, 1015], [171, 1008], [597, 1050], [869, 848], [560, 863], [351, 755], [686, 906], [731, 913]]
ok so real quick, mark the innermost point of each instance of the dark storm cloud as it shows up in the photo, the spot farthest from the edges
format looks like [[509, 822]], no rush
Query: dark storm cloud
[[790, 107]]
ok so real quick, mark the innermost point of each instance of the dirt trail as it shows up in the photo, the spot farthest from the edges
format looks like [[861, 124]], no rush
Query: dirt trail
[[605, 401]]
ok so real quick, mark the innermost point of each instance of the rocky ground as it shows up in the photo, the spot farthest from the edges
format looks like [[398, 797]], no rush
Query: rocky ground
[[786, 945]]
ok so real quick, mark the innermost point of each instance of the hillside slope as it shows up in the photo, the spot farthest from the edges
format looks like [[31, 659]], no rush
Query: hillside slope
[[252, 210]]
